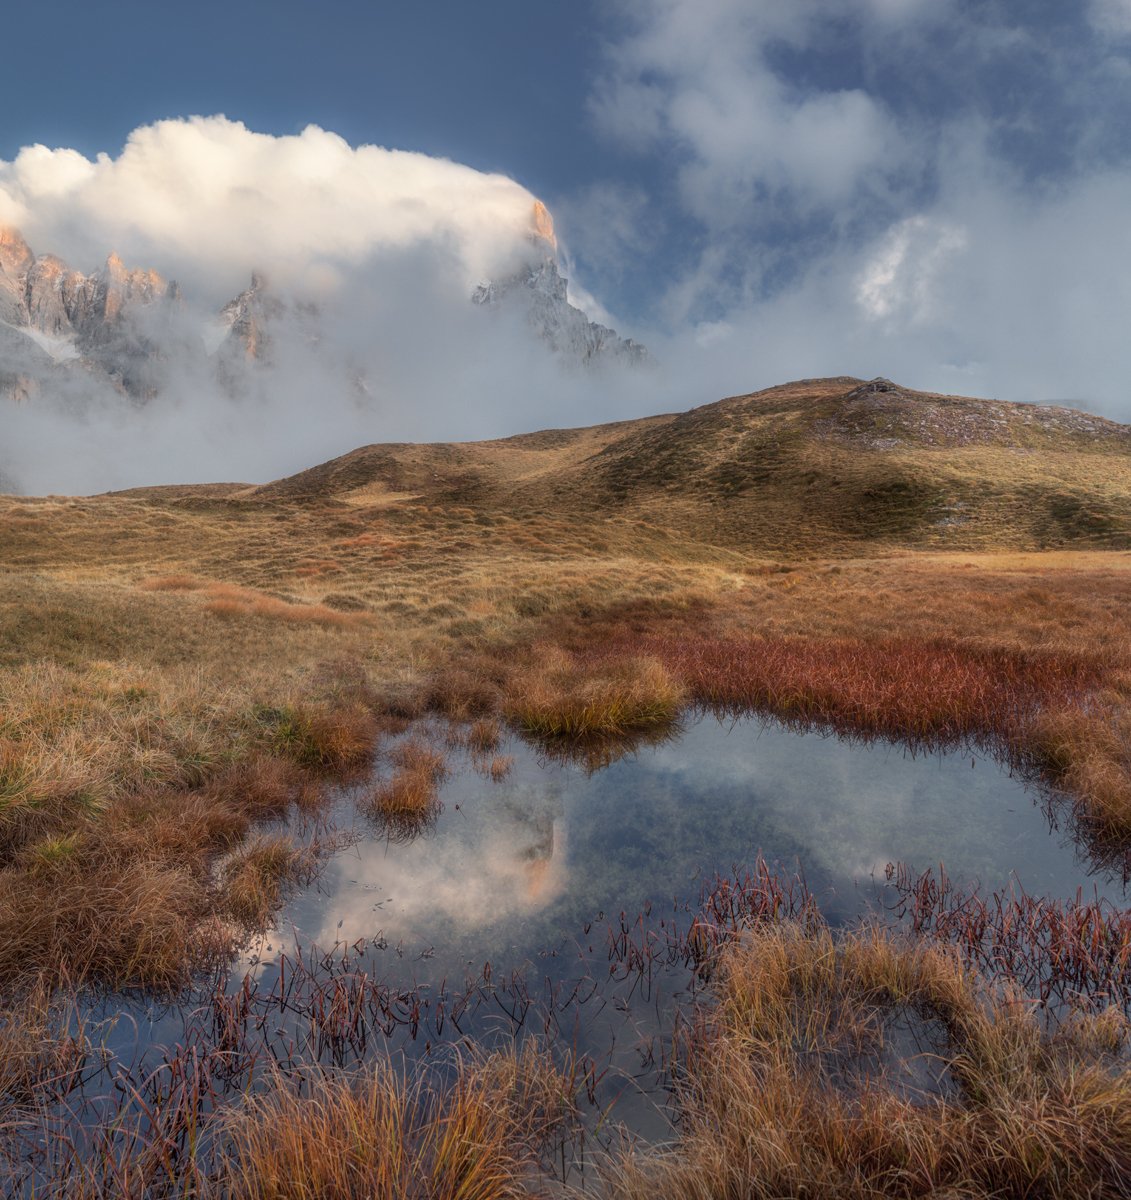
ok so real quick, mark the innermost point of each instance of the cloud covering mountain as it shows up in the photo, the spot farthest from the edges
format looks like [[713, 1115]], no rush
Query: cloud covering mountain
[[361, 329], [932, 190], [206, 200]]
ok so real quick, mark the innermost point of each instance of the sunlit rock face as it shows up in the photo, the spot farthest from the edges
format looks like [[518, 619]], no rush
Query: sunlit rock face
[[544, 224], [16, 259], [248, 318], [540, 292], [42, 294], [62, 317]]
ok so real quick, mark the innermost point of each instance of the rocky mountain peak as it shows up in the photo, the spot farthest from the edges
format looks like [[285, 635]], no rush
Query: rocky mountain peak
[[248, 317], [15, 254], [541, 293], [542, 225]]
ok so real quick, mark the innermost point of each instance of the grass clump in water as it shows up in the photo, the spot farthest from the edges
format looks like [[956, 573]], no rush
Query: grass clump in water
[[411, 796], [384, 1137], [562, 696], [256, 875]]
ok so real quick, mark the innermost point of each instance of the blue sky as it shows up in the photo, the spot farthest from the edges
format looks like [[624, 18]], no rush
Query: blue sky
[[934, 190]]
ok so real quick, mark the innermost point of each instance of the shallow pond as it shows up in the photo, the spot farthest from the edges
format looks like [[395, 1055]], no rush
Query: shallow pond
[[545, 902], [511, 868]]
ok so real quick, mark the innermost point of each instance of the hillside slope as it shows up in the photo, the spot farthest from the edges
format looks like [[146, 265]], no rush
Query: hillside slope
[[811, 466]]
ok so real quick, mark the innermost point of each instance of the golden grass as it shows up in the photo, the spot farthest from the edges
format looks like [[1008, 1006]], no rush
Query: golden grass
[[380, 1136], [257, 873], [787, 1092], [558, 696], [410, 796]]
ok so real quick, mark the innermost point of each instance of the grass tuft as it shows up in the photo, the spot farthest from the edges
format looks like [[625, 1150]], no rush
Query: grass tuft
[[411, 796], [560, 695], [384, 1137], [256, 875], [790, 1091]]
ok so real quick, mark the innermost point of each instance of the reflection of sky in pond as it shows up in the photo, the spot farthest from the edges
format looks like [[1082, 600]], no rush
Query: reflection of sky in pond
[[521, 873], [513, 868]]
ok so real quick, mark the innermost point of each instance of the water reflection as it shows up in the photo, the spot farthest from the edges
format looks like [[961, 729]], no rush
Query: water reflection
[[493, 857], [514, 868], [520, 911]]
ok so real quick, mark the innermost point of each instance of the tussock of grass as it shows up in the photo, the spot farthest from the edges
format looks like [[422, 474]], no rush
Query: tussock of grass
[[561, 696], [133, 921], [1088, 751], [318, 734], [484, 736], [780, 1099], [411, 795], [383, 1137], [256, 875], [894, 687]]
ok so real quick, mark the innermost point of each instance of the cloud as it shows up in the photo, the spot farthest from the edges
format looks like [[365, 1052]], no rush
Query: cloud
[[388, 246], [206, 200], [869, 189], [900, 277], [1112, 17], [700, 76]]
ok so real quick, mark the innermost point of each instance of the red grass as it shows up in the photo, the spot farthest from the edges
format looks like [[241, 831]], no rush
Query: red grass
[[1055, 950], [903, 688], [230, 600]]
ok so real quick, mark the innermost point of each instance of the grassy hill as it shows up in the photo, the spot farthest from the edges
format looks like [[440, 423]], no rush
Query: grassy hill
[[815, 466]]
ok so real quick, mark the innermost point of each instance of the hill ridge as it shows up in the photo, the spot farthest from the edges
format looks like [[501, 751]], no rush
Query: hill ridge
[[815, 465]]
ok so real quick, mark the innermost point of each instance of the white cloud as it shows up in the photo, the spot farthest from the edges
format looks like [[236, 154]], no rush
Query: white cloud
[[899, 280], [206, 200], [696, 75], [833, 228], [388, 243], [1111, 16]]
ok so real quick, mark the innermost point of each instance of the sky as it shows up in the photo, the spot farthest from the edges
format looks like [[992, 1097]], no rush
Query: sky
[[936, 191]]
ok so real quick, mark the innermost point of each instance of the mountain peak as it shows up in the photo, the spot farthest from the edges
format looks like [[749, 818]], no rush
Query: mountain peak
[[15, 254], [542, 225]]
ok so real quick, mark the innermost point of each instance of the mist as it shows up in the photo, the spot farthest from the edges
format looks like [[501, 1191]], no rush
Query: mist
[[371, 256], [982, 288]]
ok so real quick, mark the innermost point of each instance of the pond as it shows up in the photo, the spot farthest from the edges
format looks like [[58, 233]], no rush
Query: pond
[[511, 868], [550, 902]]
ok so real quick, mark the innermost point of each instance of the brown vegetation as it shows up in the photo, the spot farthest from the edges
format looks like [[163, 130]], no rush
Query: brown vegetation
[[558, 695], [410, 797], [255, 876], [381, 1136], [790, 1089]]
